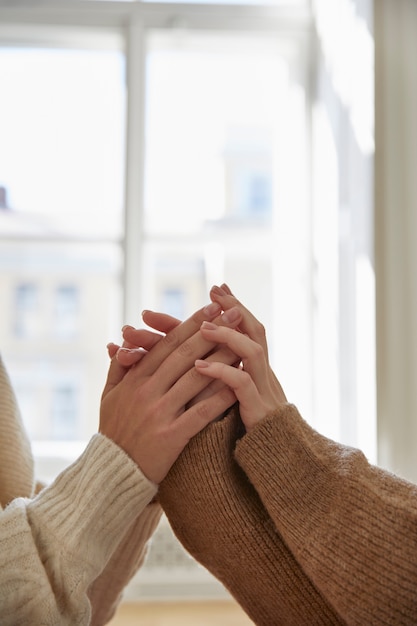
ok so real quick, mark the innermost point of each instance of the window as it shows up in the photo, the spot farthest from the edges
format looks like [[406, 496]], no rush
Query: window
[[198, 144], [218, 123], [66, 315], [26, 310], [62, 123], [64, 413], [173, 302]]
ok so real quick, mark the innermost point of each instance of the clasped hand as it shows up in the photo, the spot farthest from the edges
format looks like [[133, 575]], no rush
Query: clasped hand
[[164, 387]]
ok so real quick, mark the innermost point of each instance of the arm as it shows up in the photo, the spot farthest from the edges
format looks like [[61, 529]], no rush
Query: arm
[[219, 518], [106, 591], [55, 547], [127, 558], [351, 526]]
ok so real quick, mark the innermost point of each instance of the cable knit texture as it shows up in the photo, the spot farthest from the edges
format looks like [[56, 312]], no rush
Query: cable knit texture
[[67, 553], [300, 529], [217, 515]]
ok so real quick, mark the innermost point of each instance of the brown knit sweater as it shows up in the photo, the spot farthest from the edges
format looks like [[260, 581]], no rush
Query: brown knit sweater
[[300, 529]]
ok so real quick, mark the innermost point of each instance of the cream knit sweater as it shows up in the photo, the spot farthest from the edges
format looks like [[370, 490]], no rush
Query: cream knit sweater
[[67, 553], [301, 530]]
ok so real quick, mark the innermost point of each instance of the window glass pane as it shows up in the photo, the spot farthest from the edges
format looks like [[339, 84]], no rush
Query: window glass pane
[[212, 115], [26, 314], [62, 128], [66, 311], [224, 191], [64, 412], [62, 150]]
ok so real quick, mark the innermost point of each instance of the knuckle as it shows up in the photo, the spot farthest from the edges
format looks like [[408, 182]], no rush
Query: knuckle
[[202, 412], [196, 319], [226, 395], [192, 376], [260, 332], [171, 340], [258, 351], [185, 349], [158, 410], [164, 435], [245, 379]]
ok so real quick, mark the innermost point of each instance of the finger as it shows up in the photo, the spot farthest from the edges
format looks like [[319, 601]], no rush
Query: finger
[[181, 360], [160, 321], [251, 353], [252, 408], [201, 414], [112, 349], [115, 374], [227, 289], [139, 337], [192, 383], [249, 325], [176, 338], [213, 387], [130, 356]]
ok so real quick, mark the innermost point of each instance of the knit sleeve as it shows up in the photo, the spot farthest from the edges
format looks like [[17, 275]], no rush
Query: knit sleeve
[[54, 546], [350, 525], [106, 591], [16, 468], [218, 517]]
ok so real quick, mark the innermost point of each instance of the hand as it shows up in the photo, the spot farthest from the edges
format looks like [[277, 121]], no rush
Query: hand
[[253, 383], [138, 341], [143, 408]]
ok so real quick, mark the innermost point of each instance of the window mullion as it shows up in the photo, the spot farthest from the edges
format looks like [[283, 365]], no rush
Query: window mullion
[[135, 147]]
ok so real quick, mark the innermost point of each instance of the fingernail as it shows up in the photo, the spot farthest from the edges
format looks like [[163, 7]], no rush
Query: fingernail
[[126, 326], [209, 326], [200, 363], [227, 289], [218, 290], [212, 309], [231, 315]]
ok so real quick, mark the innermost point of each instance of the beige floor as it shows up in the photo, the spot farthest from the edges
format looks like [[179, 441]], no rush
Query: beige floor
[[181, 614]]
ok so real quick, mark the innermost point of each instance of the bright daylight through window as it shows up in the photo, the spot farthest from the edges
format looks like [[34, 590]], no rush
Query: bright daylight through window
[[139, 166]]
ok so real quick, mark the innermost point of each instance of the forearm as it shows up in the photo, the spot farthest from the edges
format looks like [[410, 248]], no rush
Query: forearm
[[106, 591], [53, 547], [351, 526], [218, 516]]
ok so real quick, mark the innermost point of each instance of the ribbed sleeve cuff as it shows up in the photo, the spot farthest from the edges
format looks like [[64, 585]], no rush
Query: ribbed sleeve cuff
[[90, 506]]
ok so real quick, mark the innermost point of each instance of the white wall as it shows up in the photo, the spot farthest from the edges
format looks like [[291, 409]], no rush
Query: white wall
[[395, 228]]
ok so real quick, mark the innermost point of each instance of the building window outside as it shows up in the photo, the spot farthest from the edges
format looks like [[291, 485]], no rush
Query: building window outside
[[26, 311], [254, 194], [173, 302], [66, 311], [64, 412]]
